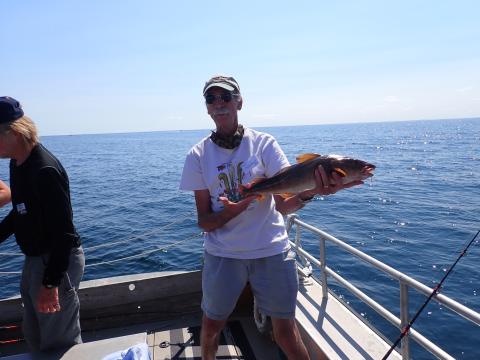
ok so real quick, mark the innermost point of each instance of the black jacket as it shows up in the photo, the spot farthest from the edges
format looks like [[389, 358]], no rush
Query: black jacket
[[42, 218]]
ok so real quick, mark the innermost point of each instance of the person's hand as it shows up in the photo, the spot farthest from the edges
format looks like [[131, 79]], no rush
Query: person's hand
[[327, 185], [5, 194], [47, 301], [238, 207]]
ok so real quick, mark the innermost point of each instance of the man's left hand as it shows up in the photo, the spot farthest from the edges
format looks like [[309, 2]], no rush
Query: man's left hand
[[47, 301]]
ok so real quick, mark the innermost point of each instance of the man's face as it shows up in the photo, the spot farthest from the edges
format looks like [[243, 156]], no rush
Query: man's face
[[222, 111]]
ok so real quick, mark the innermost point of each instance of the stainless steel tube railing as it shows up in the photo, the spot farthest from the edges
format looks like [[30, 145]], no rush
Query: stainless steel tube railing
[[405, 282]]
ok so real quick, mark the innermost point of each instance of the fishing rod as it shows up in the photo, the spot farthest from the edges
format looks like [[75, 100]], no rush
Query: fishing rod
[[435, 291]]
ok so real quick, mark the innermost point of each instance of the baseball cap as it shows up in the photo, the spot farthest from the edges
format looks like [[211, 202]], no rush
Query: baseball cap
[[222, 81], [10, 109]]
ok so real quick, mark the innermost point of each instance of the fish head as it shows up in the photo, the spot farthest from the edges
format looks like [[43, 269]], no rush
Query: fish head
[[351, 169]]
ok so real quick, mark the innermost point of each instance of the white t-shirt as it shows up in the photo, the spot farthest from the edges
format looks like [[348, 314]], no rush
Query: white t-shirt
[[257, 232]]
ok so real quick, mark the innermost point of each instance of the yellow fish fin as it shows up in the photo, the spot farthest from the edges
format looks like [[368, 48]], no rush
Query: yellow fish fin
[[340, 172], [305, 157]]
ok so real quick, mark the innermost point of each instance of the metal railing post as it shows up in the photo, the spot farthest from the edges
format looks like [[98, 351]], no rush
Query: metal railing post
[[298, 230], [290, 220], [404, 319], [323, 262]]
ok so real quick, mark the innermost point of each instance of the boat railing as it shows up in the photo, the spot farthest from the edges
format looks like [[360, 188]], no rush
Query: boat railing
[[89, 249], [405, 283]]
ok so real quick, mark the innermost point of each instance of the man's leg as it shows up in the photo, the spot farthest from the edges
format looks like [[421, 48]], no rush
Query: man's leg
[[62, 329], [209, 336], [57, 330], [30, 327], [223, 280], [274, 283], [288, 337]]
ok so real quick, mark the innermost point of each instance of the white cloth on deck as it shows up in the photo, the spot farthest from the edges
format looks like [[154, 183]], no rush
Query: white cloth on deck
[[135, 352]]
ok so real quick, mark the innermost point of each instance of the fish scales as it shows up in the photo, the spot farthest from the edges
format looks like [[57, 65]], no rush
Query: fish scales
[[301, 176]]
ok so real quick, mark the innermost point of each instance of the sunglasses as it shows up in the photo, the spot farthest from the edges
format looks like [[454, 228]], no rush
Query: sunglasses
[[225, 97]]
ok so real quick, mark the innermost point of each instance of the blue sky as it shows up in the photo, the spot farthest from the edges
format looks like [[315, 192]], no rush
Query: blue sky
[[120, 66]]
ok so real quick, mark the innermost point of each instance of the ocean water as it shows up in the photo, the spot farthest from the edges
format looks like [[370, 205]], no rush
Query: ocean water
[[416, 213]]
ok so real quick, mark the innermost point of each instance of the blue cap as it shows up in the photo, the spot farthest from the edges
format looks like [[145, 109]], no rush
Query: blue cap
[[10, 109]]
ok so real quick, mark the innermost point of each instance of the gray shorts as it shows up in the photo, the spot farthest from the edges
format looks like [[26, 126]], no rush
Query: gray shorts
[[273, 279]]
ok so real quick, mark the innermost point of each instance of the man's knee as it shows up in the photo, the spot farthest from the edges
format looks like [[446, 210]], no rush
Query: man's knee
[[211, 327], [288, 337], [284, 328]]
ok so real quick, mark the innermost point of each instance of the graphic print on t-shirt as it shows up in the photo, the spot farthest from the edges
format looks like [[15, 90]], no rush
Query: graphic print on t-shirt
[[230, 176]]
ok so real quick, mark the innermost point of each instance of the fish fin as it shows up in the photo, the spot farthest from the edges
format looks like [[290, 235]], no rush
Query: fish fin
[[287, 195], [305, 157], [340, 172]]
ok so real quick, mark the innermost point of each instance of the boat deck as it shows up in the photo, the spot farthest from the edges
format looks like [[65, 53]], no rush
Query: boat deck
[[178, 339], [163, 310], [334, 330]]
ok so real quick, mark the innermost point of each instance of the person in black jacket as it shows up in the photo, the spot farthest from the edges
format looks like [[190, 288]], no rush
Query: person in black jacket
[[42, 221]]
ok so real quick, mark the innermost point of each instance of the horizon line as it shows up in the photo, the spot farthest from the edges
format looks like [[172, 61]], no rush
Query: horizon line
[[265, 126]]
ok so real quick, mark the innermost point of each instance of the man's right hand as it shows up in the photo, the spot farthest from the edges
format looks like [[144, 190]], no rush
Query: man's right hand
[[235, 209], [209, 220], [48, 301]]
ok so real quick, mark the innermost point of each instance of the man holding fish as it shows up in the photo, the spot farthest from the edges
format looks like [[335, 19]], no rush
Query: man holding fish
[[243, 184]]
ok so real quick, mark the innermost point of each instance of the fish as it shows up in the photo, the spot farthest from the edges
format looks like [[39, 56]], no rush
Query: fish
[[300, 177]]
